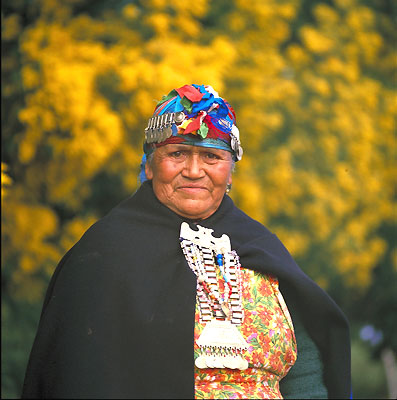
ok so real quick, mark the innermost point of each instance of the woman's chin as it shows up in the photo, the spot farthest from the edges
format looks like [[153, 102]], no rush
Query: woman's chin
[[195, 209]]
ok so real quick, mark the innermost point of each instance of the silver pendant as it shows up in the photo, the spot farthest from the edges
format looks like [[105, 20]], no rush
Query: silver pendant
[[226, 310], [200, 362], [232, 362], [222, 344], [210, 361], [222, 334], [243, 364], [218, 362]]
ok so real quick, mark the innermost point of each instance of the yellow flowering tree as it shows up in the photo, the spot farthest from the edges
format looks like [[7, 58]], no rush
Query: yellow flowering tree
[[318, 120], [320, 115], [89, 87]]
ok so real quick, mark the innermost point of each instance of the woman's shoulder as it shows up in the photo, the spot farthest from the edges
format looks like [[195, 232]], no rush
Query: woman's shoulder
[[241, 224], [115, 224], [244, 218]]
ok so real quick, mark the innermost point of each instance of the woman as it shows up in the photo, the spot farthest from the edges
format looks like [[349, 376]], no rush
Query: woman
[[176, 293]]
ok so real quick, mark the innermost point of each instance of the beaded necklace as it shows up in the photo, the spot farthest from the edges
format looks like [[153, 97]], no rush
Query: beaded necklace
[[219, 294]]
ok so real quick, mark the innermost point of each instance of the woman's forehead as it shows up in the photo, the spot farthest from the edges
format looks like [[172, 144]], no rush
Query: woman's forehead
[[192, 148]]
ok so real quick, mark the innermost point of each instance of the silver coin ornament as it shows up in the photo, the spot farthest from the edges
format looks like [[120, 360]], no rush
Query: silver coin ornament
[[200, 362]]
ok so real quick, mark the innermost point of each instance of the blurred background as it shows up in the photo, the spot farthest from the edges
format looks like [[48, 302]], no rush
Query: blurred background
[[313, 84]]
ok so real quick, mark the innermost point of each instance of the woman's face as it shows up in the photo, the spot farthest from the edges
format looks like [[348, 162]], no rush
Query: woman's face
[[190, 180]]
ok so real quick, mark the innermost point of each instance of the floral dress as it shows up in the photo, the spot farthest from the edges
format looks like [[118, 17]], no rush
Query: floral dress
[[267, 328]]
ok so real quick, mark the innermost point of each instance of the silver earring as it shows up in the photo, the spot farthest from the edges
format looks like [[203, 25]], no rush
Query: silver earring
[[228, 188]]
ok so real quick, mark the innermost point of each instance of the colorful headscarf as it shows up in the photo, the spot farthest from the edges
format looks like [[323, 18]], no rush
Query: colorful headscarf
[[194, 115]]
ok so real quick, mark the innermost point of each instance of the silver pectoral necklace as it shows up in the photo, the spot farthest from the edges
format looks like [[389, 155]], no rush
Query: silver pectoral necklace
[[219, 295]]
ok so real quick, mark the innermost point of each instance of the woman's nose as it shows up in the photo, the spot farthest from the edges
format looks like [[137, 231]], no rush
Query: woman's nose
[[193, 168]]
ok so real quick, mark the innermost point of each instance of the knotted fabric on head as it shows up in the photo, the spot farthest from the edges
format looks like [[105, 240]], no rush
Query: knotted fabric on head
[[195, 115]]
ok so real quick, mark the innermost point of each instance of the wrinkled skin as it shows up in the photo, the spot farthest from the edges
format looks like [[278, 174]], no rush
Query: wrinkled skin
[[190, 180]]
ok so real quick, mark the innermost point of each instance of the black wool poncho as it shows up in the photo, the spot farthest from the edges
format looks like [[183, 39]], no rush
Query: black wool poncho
[[118, 317]]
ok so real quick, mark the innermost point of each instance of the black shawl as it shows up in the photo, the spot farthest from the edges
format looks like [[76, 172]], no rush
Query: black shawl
[[118, 317]]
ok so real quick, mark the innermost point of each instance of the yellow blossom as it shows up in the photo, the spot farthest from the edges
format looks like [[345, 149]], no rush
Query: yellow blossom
[[316, 41]]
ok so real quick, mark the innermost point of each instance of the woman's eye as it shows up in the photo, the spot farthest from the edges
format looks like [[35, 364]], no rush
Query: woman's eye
[[176, 154], [212, 156]]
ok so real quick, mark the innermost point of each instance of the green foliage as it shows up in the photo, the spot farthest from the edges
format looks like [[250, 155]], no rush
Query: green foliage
[[19, 322], [368, 375]]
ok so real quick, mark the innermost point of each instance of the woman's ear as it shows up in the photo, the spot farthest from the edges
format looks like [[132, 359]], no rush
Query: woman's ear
[[148, 171]]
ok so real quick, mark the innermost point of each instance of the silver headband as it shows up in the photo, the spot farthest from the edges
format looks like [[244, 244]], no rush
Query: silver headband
[[160, 127]]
